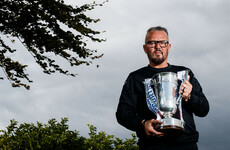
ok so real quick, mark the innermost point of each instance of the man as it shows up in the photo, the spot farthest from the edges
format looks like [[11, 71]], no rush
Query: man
[[133, 112]]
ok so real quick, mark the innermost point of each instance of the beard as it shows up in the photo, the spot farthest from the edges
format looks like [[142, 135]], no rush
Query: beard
[[156, 59]]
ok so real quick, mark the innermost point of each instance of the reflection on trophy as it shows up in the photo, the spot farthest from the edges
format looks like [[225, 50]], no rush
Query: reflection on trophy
[[164, 100]]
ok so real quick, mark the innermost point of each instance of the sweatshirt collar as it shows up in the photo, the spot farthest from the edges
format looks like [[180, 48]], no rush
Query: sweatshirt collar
[[160, 69]]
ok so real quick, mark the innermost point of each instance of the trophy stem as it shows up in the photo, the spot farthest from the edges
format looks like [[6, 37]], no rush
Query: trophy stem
[[168, 114]]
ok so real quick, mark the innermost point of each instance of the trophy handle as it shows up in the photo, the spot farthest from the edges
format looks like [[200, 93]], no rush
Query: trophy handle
[[151, 98], [174, 110], [183, 76]]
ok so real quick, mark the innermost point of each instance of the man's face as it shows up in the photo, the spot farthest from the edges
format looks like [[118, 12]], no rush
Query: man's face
[[157, 47]]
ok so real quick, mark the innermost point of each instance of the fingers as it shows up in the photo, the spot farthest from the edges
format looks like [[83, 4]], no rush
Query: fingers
[[188, 77], [186, 84], [186, 89], [150, 127]]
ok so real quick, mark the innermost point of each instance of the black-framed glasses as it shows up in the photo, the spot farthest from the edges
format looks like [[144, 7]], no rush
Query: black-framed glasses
[[154, 43]]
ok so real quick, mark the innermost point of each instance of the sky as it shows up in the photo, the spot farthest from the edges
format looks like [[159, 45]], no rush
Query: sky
[[199, 33]]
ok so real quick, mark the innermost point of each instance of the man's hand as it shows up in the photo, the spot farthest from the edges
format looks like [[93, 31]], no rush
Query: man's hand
[[187, 87], [149, 126]]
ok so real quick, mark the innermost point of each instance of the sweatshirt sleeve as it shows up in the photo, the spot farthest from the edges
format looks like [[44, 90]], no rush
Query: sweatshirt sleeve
[[126, 110], [197, 103]]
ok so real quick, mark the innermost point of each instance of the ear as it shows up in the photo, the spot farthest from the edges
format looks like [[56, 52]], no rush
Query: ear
[[145, 48], [169, 47]]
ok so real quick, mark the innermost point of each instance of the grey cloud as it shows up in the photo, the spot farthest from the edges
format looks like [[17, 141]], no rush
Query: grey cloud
[[199, 33]]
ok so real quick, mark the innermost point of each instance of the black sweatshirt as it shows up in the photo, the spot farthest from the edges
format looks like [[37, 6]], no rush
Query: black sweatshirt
[[132, 107]]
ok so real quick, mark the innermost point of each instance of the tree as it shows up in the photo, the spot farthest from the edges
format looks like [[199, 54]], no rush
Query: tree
[[56, 135], [46, 27]]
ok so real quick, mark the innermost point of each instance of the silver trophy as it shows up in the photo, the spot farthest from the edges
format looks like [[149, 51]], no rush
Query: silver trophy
[[164, 100]]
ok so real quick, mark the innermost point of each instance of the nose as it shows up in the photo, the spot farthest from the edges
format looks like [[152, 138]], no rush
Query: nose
[[157, 45]]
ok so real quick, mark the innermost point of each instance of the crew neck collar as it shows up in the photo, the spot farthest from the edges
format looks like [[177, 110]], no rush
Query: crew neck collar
[[160, 69]]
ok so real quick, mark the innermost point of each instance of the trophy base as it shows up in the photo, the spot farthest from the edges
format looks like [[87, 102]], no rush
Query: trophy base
[[171, 127]]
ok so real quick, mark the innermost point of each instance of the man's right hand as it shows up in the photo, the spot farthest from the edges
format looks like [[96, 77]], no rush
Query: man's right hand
[[149, 127]]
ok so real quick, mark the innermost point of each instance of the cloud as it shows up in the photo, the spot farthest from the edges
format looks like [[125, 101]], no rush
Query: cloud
[[199, 33]]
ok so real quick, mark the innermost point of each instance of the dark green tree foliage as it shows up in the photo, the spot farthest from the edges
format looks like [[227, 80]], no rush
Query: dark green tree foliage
[[46, 27], [57, 136]]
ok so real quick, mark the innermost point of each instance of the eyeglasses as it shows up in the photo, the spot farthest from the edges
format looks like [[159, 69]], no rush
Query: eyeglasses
[[162, 44]]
